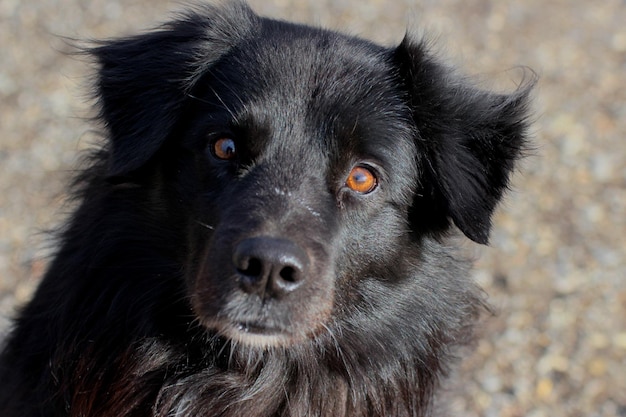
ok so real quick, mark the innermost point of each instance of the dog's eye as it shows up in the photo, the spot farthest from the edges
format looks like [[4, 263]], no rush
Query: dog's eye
[[361, 180], [224, 148]]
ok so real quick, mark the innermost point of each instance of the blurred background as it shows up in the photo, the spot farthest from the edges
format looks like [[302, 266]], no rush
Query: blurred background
[[556, 268]]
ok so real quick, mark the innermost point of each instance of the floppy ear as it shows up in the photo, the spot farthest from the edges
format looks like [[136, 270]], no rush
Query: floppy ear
[[143, 81], [468, 141]]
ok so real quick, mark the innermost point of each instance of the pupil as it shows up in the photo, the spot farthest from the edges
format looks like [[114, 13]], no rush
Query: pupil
[[360, 177], [227, 147]]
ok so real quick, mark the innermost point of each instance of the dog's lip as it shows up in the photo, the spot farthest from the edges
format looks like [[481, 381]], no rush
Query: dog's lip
[[256, 327]]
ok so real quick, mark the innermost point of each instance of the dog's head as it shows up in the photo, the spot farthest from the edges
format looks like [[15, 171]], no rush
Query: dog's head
[[301, 165]]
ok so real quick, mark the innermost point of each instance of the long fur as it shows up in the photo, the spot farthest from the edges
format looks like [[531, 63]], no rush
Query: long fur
[[136, 314]]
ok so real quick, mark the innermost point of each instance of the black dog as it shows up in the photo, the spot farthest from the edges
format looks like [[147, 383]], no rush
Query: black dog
[[264, 234]]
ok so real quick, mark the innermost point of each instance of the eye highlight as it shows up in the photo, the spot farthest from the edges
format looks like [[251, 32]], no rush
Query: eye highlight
[[362, 180], [224, 149]]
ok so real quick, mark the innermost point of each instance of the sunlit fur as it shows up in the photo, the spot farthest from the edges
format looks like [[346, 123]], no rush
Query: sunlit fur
[[144, 310]]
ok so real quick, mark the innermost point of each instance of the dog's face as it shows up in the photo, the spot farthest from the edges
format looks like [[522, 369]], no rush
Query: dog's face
[[307, 164]]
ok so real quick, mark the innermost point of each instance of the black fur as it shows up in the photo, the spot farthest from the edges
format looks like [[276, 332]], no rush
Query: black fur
[[189, 285]]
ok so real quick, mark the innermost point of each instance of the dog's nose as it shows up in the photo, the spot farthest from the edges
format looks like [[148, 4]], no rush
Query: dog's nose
[[270, 267]]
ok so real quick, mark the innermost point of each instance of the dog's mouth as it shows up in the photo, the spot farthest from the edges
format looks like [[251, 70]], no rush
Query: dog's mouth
[[257, 333], [258, 328]]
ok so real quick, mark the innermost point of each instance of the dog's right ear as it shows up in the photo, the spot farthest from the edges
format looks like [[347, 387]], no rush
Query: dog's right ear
[[143, 81]]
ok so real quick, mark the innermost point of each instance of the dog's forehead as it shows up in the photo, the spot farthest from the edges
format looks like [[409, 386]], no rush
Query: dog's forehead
[[301, 62], [312, 81]]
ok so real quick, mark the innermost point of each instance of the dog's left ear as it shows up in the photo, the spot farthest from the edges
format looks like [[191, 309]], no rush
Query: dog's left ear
[[467, 139], [143, 81]]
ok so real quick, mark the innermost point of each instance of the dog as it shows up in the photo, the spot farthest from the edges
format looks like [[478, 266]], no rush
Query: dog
[[268, 229]]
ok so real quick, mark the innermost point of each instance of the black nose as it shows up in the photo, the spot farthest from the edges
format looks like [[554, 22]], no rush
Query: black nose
[[270, 267]]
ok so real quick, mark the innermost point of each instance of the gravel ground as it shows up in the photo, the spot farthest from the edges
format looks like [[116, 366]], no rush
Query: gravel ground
[[556, 266]]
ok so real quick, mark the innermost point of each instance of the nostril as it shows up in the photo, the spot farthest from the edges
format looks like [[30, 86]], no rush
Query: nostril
[[289, 274], [251, 267]]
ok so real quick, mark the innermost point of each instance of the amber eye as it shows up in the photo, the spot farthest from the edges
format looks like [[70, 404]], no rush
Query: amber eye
[[224, 148], [361, 180]]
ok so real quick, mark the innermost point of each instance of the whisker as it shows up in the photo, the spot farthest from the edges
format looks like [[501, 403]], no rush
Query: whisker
[[208, 226], [339, 352]]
